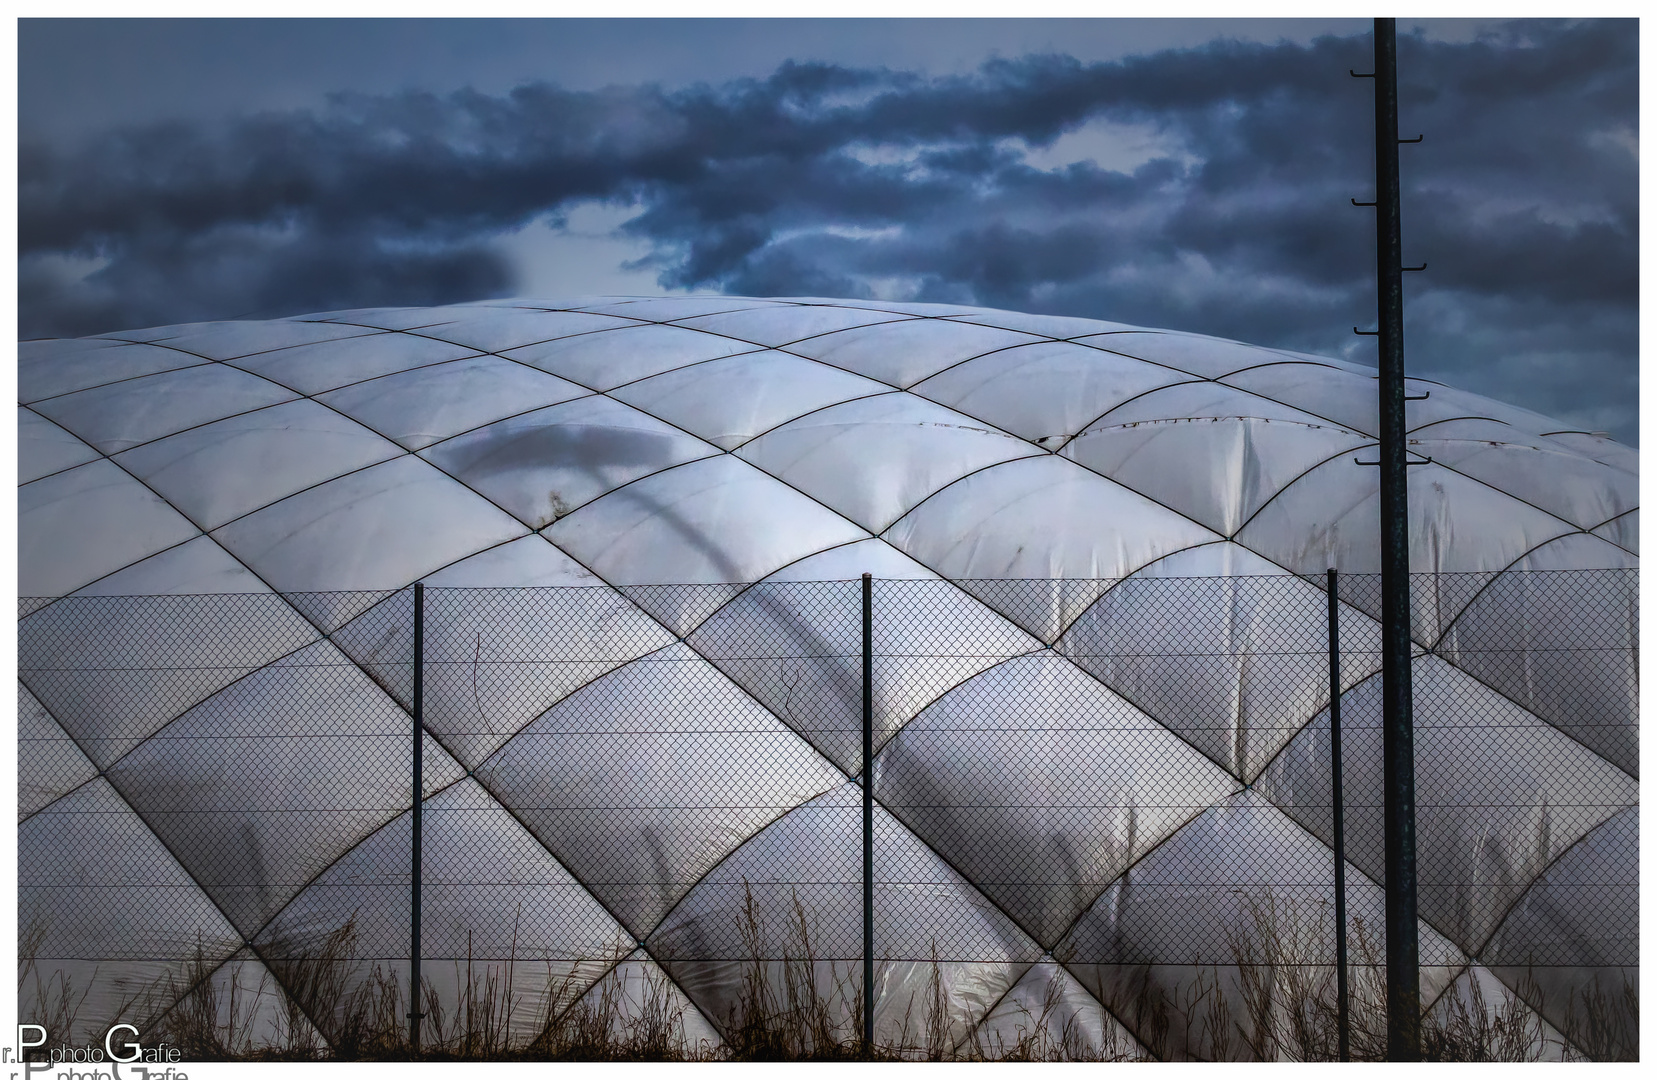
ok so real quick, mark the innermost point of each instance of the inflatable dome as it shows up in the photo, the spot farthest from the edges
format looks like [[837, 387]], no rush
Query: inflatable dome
[[625, 470]]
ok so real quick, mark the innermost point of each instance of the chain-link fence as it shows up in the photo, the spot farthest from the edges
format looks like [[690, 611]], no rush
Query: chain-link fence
[[1110, 795]]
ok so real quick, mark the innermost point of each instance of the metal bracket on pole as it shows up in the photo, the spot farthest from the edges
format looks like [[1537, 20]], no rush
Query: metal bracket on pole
[[868, 818]]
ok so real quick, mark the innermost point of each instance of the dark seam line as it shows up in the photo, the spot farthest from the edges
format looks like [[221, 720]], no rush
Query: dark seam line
[[72, 435], [416, 450], [209, 423], [1469, 416], [1089, 426], [824, 333], [975, 1026], [401, 453], [795, 562], [883, 392], [1120, 879], [1476, 956], [203, 532], [97, 774], [1032, 449], [1110, 480], [1526, 709], [162, 343], [1131, 574], [606, 673], [1165, 365], [963, 879], [927, 705], [683, 367], [159, 839], [964, 476], [278, 348], [315, 394], [1364, 442], [1144, 711], [1495, 574], [1092, 427], [1440, 464], [116, 382], [914, 387], [80, 592], [139, 741], [461, 324], [355, 845]]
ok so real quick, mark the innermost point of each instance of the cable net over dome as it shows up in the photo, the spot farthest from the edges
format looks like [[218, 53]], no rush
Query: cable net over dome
[[1053, 494]]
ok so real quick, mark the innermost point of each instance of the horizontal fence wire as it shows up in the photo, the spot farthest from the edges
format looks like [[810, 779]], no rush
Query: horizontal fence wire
[[1116, 777]]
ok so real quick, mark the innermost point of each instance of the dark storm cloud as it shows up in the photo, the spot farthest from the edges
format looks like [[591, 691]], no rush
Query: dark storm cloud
[[829, 180]]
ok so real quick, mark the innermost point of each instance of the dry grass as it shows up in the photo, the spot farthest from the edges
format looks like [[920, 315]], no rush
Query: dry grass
[[1277, 1002]]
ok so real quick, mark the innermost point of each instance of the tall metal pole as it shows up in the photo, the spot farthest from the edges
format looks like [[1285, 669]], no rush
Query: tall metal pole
[[1338, 789], [419, 789], [1398, 740], [868, 816]]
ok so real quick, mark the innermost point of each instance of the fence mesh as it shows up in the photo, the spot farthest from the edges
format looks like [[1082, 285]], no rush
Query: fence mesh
[[1127, 779]]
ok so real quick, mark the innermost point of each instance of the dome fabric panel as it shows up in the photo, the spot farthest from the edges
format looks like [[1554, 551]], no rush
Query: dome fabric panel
[[606, 359], [44, 448], [220, 471], [46, 369], [776, 327], [1048, 813], [731, 400], [1235, 665], [327, 366], [1041, 392], [901, 354], [242, 338], [199, 566], [544, 464], [389, 522], [92, 836], [75, 527], [717, 520], [924, 905], [153, 660], [49, 764], [505, 328], [1496, 802], [1039, 517], [1100, 706], [1205, 357], [417, 408], [1264, 446], [874, 459], [626, 809], [1622, 530], [255, 818], [118, 416]]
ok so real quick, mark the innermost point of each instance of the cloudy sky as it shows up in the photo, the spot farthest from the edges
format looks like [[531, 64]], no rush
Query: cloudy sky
[[1192, 174]]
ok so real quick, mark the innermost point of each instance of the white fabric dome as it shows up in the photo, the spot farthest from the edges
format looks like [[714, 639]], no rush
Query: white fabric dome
[[723, 440]]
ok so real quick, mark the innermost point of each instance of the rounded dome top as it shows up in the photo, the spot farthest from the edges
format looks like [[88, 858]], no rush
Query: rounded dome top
[[724, 439]]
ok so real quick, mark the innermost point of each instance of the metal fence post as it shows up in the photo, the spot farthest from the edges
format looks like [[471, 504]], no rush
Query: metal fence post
[[1337, 787], [868, 817], [419, 790]]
